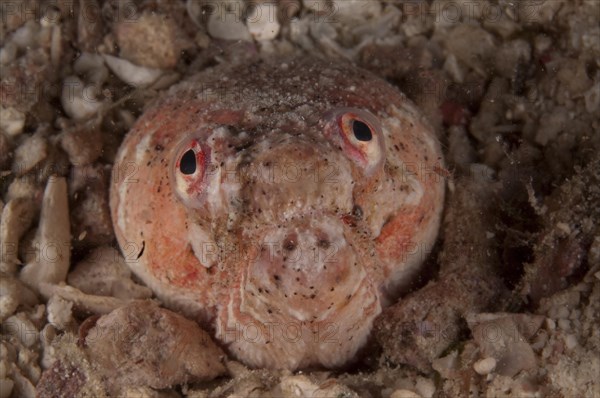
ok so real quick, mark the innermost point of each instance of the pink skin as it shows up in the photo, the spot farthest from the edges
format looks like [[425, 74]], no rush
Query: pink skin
[[291, 233]]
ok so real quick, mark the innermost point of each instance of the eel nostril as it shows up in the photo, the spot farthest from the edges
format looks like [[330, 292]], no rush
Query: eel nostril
[[289, 244], [324, 243], [357, 212]]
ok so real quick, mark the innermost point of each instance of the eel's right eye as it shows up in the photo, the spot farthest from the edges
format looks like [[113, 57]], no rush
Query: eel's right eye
[[187, 164], [188, 172]]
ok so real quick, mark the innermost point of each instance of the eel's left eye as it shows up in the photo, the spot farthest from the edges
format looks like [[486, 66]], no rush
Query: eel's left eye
[[359, 134], [188, 171]]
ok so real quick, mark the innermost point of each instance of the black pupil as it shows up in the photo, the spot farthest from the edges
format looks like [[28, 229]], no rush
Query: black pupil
[[188, 163], [362, 132]]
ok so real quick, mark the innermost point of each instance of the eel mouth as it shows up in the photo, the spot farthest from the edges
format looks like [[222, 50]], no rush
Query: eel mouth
[[306, 270], [304, 299]]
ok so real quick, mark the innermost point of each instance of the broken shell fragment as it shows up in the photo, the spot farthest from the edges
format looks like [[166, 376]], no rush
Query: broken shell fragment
[[53, 236], [82, 302], [17, 216], [134, 75], [155, 347]]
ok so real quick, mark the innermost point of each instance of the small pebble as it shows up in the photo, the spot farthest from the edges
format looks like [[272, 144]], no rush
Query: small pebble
[[6, 387], [9, 297], [22, 328], [405, 394], [79, 100], [562, 313], [592, 98], [564, 324], [26, 35], [262, 22], [8, 53], [575, 314], [59, 312], [564, 227], [540, 340], [11, 121], [228, 25], [454, 69], [356, 11], [541, 44], [154, 41], [92, 67], [425, 387], [317, 6], [29, 154], [446, 365], [485, 366], [16, 217], [3, 367], [570, 341]]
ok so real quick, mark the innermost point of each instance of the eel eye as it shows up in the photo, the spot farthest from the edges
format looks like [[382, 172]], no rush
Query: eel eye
[[188, 172], [362, 131], [359, 134], [187, 164]]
